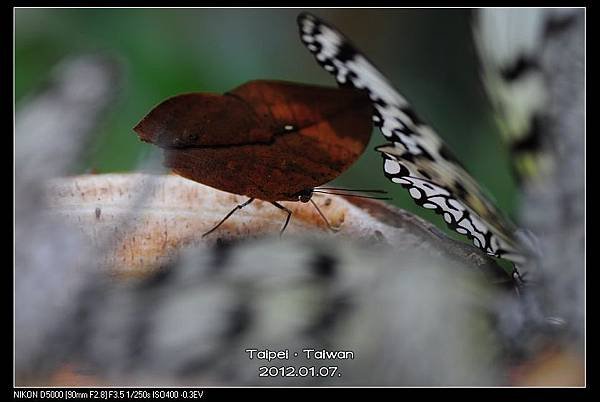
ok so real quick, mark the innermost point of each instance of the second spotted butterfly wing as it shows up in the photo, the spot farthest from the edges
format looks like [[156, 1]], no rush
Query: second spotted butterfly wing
[[270, 140], [416, 157]]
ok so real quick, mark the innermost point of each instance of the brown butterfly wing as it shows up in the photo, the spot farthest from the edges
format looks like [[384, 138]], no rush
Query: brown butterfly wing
[[264, 139], [202, 120]]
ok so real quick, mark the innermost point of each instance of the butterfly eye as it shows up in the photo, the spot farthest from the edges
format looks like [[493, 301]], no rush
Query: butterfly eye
[[304, 195]]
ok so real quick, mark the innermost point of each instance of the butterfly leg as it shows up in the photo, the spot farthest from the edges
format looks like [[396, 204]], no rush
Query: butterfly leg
[[289, 215], [323, 216], [518, 279], [240, 206]]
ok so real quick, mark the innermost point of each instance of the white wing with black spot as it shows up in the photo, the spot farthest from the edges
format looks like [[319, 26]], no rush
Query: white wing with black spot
[[416, 157], [511, 44]]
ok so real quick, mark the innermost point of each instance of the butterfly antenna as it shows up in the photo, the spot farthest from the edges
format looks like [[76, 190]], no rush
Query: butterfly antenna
[[352, 190], [353, 195]]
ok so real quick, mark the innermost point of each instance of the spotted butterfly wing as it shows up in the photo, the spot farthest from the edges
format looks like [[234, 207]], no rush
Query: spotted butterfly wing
[[510, 43], [416, 157]]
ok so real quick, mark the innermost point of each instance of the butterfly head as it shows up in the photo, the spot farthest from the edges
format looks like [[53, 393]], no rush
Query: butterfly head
[[304, 195]]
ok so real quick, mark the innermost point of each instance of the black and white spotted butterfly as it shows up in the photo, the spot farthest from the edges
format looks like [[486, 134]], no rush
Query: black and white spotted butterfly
[[416, 157]]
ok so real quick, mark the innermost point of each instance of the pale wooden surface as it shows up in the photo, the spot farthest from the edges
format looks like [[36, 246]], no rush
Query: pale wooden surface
[[143, 220]]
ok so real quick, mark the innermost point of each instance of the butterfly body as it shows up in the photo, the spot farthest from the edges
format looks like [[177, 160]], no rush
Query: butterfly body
[[415, 157], [270, 140]]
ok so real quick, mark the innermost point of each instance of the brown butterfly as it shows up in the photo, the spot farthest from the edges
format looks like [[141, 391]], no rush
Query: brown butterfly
[[268, 140]]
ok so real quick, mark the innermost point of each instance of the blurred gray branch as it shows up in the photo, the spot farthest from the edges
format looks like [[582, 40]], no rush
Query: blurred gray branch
[[53, 127], [533, 62], [554, 208]]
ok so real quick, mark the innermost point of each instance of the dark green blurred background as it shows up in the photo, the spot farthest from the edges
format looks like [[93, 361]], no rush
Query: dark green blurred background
[[428, 54]]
